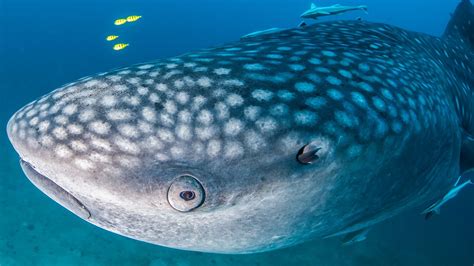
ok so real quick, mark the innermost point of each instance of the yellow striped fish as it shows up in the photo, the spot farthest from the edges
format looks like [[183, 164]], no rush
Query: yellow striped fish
[[133, 18], [120, 46], [120, 21], [111, 37]]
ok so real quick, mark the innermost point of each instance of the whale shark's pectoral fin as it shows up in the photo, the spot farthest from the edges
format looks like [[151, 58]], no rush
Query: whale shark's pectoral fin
[[355, 237], [324, 13]]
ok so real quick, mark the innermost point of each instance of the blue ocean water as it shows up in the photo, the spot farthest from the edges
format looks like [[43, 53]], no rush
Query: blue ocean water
[[44, 44]]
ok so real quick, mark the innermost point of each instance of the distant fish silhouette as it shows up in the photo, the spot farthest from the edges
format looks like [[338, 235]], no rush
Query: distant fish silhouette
[[315, 12], [436, 207]]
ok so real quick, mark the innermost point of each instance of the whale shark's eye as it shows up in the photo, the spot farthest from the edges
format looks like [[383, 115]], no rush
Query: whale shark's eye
[[186, 193]]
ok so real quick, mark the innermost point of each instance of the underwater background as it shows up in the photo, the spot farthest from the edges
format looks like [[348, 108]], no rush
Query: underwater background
[[44, 44]]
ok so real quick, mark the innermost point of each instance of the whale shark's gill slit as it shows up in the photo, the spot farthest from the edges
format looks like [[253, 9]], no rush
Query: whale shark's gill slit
[[308, 154]]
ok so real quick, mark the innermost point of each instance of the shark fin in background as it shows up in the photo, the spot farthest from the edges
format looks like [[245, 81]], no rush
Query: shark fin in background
[[302, 24], [461, 25]]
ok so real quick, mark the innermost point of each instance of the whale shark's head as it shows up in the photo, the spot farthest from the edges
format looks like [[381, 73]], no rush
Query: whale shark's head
[[243, 148], [182, 162]]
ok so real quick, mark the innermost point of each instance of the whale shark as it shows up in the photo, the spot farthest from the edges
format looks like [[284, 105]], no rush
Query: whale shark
[[262, 143]]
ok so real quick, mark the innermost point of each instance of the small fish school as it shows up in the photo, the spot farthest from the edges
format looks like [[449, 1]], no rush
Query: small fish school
[[122, 21], [119, 22]]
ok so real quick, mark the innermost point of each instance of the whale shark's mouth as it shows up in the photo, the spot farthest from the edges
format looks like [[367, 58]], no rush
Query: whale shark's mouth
[[54, 191]]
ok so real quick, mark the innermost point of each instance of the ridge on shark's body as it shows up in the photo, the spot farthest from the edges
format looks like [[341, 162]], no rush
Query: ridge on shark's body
[[261, 32], [263, 143]]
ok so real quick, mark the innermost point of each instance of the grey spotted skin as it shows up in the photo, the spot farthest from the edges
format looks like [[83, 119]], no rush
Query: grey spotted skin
[[386, 108]]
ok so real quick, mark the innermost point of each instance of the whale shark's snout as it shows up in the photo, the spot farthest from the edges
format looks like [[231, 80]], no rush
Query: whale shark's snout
[[27, 148]]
